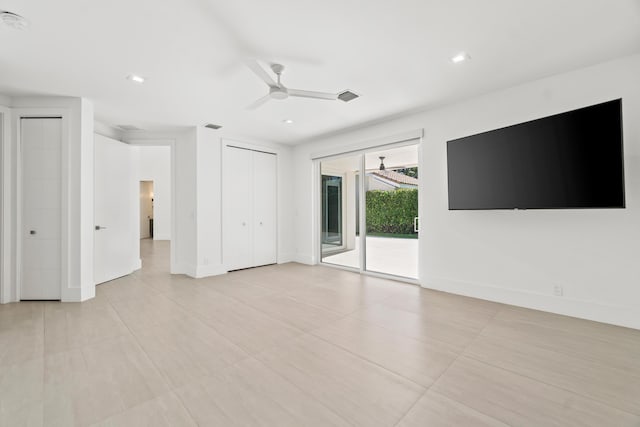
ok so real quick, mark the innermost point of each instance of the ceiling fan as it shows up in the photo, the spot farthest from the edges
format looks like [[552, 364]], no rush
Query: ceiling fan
[[279, 91]]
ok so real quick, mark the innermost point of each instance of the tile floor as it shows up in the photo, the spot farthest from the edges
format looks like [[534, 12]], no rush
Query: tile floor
[[294, 345]]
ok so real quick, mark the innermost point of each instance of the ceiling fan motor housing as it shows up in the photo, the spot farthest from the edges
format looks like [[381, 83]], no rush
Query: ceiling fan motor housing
[[278, 93]]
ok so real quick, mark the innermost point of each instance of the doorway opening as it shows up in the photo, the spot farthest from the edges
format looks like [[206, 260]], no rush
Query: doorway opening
[[146, 209], [157, 205], [369, 211]]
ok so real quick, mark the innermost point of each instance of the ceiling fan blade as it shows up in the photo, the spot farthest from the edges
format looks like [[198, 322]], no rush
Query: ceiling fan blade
[[259, 102], [312, 94], [260, 72]]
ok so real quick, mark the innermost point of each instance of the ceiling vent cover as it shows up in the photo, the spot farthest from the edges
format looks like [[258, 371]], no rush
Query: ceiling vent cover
[[347, 96], [13, 20], [212, 126]]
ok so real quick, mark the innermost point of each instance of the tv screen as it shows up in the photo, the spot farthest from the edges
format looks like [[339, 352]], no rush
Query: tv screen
[[569, 160]]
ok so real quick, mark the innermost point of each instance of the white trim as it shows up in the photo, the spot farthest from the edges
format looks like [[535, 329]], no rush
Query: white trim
[[248, 146], [5, 206], [396, 140], [209, 270], [591, 310], [363, 212]]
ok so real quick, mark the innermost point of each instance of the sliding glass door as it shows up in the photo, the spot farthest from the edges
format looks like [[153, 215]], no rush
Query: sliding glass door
[[391, 207], [369, 211]]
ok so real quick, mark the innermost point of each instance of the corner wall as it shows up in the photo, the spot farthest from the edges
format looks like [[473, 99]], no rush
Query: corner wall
[[516, 257]]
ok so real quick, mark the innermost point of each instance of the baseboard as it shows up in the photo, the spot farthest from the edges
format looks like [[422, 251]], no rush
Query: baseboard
[[72, 294], [304, 259], [286, 257], [188, 269], [161, 237], [137, 265], [209, 270], [590, 310]]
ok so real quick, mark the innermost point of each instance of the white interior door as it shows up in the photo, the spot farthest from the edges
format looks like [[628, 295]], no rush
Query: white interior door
[[41, 144], [264, 208], [237, 208], [116, 210]]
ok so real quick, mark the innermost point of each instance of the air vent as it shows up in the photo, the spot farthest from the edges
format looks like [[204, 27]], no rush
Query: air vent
[[13, 20], [347, 96], [128, 127], [212, 126]]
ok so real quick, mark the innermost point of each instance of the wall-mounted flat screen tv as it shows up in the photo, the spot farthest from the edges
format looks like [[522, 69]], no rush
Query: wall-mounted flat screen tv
[[570, 160]]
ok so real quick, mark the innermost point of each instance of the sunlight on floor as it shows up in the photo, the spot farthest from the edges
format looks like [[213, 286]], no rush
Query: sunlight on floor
[[384, 255]]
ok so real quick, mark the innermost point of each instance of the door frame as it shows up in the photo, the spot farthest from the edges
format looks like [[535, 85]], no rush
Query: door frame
[[6, 232], [343, 204], [407, 139], [45, 113], [171, 143]]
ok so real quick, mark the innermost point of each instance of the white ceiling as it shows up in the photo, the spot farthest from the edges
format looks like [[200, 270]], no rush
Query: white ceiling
[[394, 53]]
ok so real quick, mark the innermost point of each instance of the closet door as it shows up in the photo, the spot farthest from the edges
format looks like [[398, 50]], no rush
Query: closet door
[[264, 208], [237, 208], [41, 144]]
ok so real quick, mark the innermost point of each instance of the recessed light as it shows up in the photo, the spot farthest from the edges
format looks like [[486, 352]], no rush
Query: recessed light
[[13, 20], [136, 78], [461, 57], [287, 121]]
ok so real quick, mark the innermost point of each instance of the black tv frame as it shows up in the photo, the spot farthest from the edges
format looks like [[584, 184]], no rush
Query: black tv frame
[[623, 183]]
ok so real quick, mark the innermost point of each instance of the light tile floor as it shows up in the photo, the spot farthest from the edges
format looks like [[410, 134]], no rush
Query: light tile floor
[[294, 345]]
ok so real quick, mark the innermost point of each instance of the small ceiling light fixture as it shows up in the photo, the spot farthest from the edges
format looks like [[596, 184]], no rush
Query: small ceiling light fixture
[[136, 78], [13, 20], [287, 121], [461, 57]]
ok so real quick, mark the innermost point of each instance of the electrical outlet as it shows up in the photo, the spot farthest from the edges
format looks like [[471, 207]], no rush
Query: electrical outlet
[[557, 290]]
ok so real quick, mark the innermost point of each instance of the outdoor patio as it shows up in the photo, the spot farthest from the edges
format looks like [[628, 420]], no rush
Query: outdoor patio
[[384, 255]]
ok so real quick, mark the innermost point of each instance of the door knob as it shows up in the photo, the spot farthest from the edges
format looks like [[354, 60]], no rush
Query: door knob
[[32, 232], [98, 227]]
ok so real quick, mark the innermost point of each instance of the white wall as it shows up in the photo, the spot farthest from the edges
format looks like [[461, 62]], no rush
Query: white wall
[[209, 194], [516, 256], [155, 165], [184, 238]]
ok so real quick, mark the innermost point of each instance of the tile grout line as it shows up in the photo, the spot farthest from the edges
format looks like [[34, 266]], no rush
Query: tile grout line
[[170, 386], [461, 353], [511, 371], [488, 363]]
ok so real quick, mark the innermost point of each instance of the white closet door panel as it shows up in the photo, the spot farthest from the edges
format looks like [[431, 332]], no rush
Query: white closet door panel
[[41, 141], [114, 182], [237, 208], [264, 208]]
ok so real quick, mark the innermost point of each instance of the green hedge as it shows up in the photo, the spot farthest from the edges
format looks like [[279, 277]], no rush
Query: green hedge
[[391, 212]]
